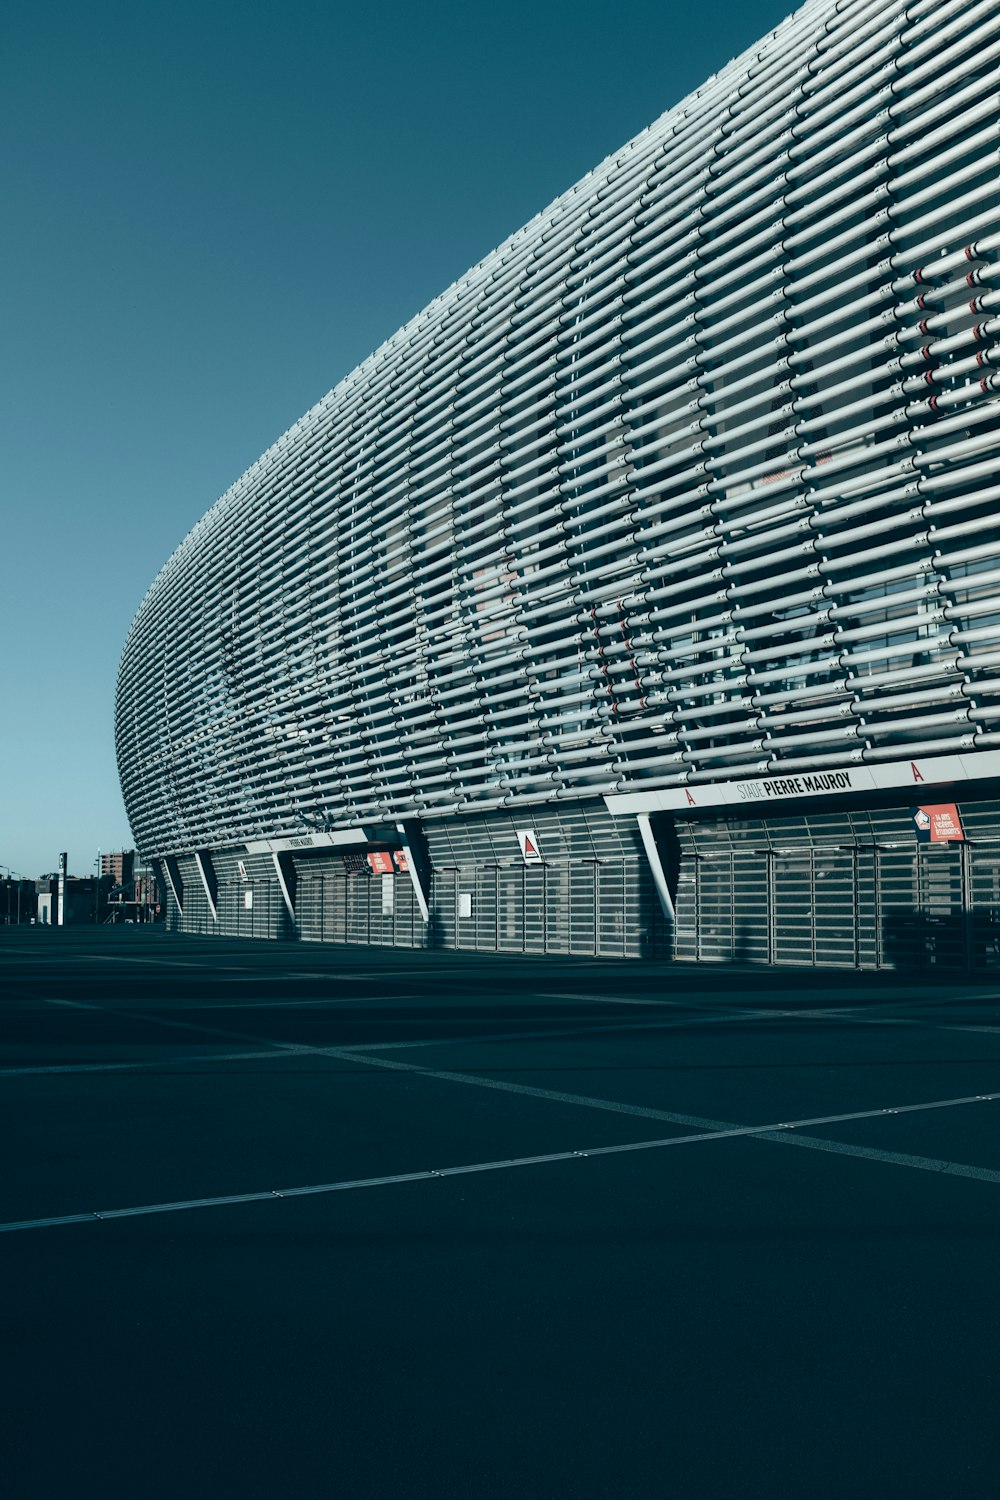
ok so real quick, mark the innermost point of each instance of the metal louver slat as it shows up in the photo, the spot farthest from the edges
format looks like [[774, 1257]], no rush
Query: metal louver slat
[[692, 478]]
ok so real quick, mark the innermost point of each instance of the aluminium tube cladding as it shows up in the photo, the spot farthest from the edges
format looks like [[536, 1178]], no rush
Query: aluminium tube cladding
[[675, 484]]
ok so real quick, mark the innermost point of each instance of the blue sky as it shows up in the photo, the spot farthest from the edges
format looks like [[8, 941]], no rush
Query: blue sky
[[212, 213]]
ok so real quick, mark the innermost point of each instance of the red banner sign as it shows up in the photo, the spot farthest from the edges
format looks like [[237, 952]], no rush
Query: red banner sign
[[939, 824], [381, 863]]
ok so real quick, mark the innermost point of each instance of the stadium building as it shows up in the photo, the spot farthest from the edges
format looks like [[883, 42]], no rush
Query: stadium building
[[640, 596]]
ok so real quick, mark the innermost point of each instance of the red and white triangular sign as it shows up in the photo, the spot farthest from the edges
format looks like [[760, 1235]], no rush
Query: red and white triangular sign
[[529, 846]]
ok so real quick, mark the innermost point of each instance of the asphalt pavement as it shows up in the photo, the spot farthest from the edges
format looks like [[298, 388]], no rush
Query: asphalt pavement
[[285, 1219]]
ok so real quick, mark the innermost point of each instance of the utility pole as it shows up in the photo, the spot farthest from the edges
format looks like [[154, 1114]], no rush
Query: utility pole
[[97, 892]]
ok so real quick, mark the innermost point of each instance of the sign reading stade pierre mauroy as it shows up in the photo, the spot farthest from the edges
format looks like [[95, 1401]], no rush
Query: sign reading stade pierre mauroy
[[809, 784], [941, 771]]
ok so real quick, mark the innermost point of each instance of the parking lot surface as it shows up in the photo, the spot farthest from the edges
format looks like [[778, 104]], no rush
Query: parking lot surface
[[342, 1221]]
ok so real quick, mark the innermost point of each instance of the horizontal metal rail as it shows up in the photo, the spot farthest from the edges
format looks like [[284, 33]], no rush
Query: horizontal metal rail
[[694, 476]]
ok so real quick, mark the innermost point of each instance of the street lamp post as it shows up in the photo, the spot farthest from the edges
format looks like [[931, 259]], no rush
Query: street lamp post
[[97, 891], [13, 875]]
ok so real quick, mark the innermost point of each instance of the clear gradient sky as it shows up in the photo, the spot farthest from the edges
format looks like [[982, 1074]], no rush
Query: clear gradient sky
[[211, 213]]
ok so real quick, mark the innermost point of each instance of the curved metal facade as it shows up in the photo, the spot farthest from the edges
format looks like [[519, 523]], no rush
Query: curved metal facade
[[694, 478]]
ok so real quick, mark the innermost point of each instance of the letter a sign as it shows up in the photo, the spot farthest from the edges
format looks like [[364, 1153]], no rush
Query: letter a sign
[[529, 846]]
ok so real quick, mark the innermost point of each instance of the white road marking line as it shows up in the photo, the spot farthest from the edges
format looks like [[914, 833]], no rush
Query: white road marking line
[[734, 1132], [36, 1069], [594, 1029], [618, 1027], [359, 1047], [253, 971], [77, 1005], [717, 1128], [694, 1020], [611, 999], [469, 1039], [557, 1096], [892, 1158], [918, 1023], [569, 1032], [281, 1003]]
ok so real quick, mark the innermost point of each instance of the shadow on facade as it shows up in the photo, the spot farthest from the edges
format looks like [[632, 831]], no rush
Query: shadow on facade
[[946, 941]]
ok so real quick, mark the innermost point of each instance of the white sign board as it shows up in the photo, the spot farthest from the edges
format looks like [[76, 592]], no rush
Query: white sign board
[[248, 900], [530, 851], [938, 770]]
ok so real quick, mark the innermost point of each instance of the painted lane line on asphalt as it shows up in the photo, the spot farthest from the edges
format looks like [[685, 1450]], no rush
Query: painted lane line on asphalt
[[29, 1070], [280, 1048], [891, 1158], [271, 1049], [598, 1028], [585, 1101], [359, 1047], [291, 1004], [680, 1023], [612, 999], [71, 1004], [735, 1132], [253, 972], [774, 1132], [718, 1011], [915, 1022], [346, 1054]]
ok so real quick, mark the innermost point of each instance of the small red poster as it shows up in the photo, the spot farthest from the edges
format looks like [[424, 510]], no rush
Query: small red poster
[[939, 824], [381, 863], [400, 859]]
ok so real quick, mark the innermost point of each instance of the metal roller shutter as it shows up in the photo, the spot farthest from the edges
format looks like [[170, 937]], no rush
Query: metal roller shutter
[[715, 906], [984, 907], [751, 907], [357, 892], [941, 873], [466, 908], [900, 939], [686, 934], [510, 909], [557, 908], [335, 888], [868, 941], [585, 930], [534, 909], [444, 904], [485, 909], [792, 908], [835, 907], [309, 908]]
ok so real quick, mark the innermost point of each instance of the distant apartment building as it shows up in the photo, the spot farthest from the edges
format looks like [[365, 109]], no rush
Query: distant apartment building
[[120, 865]]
